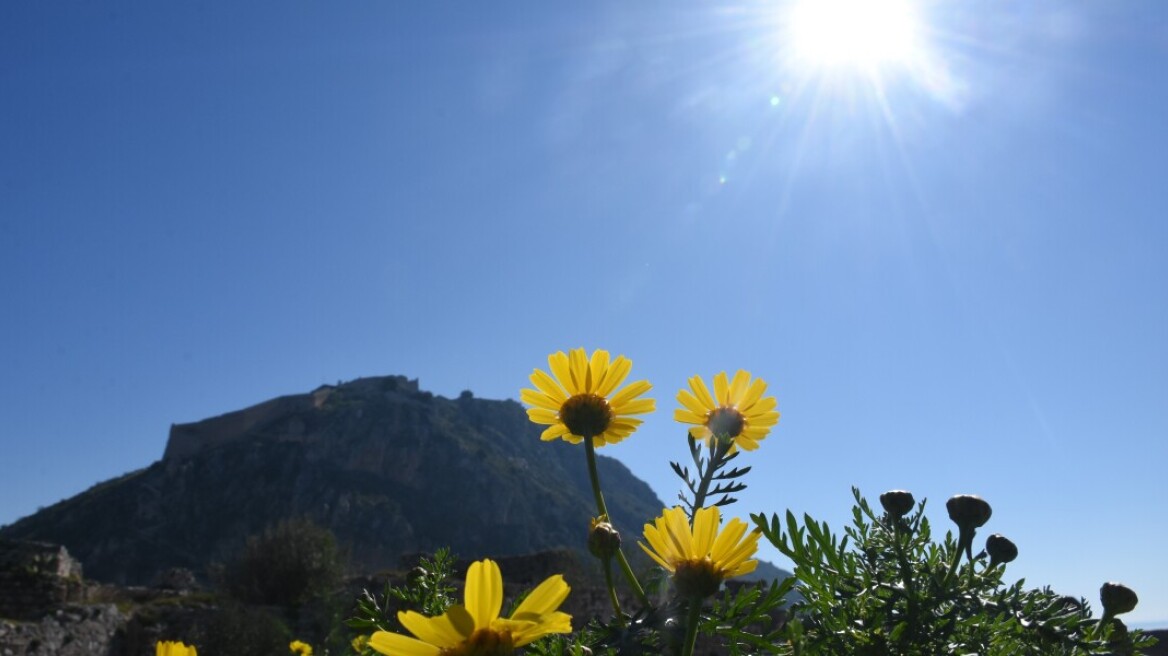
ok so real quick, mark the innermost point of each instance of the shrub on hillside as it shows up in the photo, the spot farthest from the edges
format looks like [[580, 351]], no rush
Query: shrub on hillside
[[287, 565]]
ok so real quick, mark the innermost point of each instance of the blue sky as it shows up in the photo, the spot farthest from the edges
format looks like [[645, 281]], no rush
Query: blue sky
[[950, 266]]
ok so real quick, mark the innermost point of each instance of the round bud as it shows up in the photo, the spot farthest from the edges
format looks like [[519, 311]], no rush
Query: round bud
[[603, 540], [1117, 598], [1000, 549], [897, 503], [968, 511]]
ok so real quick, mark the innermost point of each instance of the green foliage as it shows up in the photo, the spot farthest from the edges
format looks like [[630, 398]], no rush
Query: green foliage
[[287, 565], [238, 630], [710, 469], [888, 588], [750, 618], [427, 590]]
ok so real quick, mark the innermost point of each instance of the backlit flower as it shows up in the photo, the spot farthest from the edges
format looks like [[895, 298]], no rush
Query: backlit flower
[[167, 648], [737, 410], [580, 398], [475, 628], [702, 557], [300, 648]]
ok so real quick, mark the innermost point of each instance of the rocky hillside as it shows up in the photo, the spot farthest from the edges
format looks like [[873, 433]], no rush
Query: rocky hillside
[[390, 469]]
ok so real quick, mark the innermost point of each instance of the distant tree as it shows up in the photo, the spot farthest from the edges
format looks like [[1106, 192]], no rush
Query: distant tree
[[236, 630], [287, 565]]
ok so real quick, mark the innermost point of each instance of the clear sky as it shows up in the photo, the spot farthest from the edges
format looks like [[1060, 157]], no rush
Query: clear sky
[[938, 230]]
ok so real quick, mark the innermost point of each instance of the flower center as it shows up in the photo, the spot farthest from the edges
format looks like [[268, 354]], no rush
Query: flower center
[[725, 422], [484, 642], [697, 579], [586, 415]]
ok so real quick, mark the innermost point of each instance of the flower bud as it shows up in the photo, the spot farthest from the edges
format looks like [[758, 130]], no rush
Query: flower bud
[[1000, 549], [603, 539], [897, 503], [1117, 598], [968, 511]]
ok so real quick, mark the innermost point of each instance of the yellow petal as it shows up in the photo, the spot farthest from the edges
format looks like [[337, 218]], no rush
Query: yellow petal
[[597, 368], [622, 423], [562, 370], [537, 398], [722, 389], [691, 403], [764, 419], [553, 432], [552, 623], [705, 528], [754, 432], [702, 392], [446, 630], [543, 416], [632, 391], [658, 538], [727, 540], [484, 592], [765, 404], [393, 644], [578, 361], [548, 385], [545, 598], [742, 550], [679, 532], [618, 371], [746, 567], [573, 439], [752, 395], [746, 443], [686, 417], [738, 386], [653, 554], [635, 407]]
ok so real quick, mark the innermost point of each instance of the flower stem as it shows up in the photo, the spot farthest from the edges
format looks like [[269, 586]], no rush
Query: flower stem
[[693, 617], [717, 454], [616, 607], [601, 508], [902, 535]]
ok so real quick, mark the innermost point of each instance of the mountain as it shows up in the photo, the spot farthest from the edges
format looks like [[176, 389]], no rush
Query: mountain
[[390, 469]]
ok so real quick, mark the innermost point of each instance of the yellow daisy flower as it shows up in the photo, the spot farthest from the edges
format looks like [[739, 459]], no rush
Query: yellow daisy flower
[[167, 648], [737, 410], [580, 398], [475, 628], [700, 558], [300, 648]]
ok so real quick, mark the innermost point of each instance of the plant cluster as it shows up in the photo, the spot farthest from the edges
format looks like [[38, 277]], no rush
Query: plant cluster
[[884, 587]]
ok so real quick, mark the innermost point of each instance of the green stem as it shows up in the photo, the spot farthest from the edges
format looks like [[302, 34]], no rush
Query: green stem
[[961, 540], [691, 627], [906, 572], [590, 452], [717, 453], [616, 607]]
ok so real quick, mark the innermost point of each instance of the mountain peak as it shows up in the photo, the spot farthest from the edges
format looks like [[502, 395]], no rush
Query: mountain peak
[[389, 468]]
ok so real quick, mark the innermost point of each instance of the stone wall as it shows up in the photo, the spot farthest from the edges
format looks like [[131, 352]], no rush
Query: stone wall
[[36, 577]]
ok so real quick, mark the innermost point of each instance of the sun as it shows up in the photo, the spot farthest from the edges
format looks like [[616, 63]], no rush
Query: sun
[[857, 34]]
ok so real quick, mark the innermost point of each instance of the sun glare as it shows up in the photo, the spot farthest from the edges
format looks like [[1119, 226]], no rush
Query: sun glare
[[853, 33]]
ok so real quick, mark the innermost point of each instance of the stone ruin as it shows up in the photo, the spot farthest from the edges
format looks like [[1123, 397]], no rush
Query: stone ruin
[[36, 577]]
